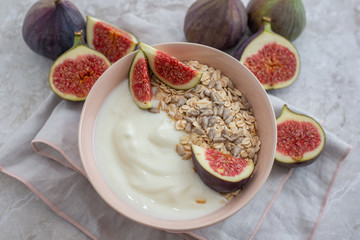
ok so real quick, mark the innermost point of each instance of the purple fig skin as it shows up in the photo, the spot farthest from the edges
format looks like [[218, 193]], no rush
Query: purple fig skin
[[49, 26], [296, 164], [216, 23], [215, 183], [239, 51]]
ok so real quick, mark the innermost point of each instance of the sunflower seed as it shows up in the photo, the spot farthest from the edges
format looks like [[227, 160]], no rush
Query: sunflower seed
[[154, 110], [180, 150], [219, 103], [215, 111], [188, 127], [213, 97], [207, 92], [218, 86], [207, 113], [224, 132], [186, 156], [234, 136], [235, 98], [238, 140], [220, 111], [226, 113], [228, 120], [212, 121], [188, 95], [230, 84], [219, 140], [188, 119], [193, 113], [228, 146], [198, 131], [212, 83], [236, 150], [181, 102], [212, 132], [204, 122]]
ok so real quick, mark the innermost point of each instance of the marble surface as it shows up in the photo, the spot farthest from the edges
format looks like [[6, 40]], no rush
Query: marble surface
[[328, 87]]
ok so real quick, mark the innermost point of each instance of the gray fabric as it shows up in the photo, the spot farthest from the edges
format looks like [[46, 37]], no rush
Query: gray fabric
[[66, 190]]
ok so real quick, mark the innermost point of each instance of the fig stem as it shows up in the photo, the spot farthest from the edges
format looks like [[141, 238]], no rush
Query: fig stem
[[78, 38], [267, 25], [57, 2]]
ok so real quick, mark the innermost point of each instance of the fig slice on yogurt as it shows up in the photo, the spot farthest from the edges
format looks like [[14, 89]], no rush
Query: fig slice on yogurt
[[300, 139], [221, 172], [139, 81], [170, 70]]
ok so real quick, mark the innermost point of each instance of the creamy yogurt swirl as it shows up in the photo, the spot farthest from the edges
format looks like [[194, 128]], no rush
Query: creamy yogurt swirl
[[135, 153]]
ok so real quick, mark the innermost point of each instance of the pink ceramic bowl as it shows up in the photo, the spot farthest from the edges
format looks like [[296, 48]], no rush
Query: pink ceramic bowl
[[242, 78]]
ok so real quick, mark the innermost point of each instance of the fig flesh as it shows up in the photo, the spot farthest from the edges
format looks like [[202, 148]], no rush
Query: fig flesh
[[111, 41], [139, 81], [300, 139], [288, 16], [49, 26], [273, 59], [216, 23], [170, 70], [221, 172], [75, 72]]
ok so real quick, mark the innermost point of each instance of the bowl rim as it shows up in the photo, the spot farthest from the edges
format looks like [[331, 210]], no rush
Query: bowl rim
[[105, 192]]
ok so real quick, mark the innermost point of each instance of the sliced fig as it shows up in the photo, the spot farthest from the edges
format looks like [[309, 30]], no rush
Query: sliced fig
[[111, 41], [75, 72], [221, 172], [170, 70], [139, 81], [300, 139], [273, 59]]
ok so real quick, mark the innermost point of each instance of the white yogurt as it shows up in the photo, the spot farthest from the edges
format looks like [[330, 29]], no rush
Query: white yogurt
[[135, 152]]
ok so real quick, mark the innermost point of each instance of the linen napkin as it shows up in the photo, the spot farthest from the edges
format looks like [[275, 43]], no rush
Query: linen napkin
[[43, 155]]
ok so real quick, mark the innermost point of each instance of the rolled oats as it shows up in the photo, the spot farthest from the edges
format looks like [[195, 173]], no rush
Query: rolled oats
[[213, 114]]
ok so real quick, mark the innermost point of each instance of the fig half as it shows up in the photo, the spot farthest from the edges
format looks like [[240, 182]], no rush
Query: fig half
[[219, 171], [273, 59], [170, 70], [111, 41], [139, 81], [75, 72], [300, 139]]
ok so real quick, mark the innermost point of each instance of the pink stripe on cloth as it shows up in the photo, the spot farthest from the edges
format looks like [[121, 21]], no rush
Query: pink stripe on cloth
[[50, 204], [328, 192], [193, 235], [69, 163], [287, 176]]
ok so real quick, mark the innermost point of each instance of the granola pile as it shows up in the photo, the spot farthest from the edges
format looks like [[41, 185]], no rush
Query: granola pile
[[214, 114]]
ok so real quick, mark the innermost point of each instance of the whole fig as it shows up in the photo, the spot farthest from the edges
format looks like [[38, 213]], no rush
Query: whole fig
[[287, 16], [49, 27], [216, 23]]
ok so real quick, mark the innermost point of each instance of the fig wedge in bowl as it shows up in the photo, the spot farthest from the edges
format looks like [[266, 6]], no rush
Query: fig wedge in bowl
[[100, 173]]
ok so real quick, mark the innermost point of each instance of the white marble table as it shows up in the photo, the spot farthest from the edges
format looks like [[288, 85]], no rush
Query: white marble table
[[328, 86]]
